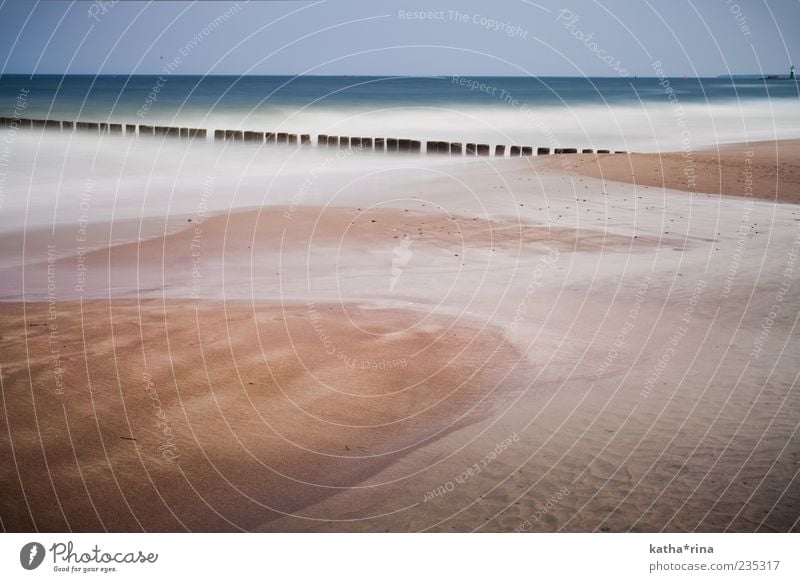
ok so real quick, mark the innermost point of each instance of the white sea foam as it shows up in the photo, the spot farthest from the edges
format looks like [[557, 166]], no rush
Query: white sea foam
[[47, 174], [645, 127]]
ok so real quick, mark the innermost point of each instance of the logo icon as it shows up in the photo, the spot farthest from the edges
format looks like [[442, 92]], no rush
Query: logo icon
[[31, 555]]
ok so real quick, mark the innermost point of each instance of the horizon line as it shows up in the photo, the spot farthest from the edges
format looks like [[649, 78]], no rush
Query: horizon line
[[386, 75]]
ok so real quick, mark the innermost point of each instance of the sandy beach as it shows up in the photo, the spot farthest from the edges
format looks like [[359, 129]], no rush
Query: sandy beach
[[767, 170], [435, 345]]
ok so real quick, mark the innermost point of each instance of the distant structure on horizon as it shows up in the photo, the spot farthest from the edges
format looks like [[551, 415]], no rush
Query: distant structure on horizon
[[791, 76]]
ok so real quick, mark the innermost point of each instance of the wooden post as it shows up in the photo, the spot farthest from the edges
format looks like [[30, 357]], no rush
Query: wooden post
[[380, 144], [471, 149], [292, 139], [146, 130], [527, 151], [542, 151], [366, 143], [305, 139], [500, 151], [333, 141], [283, 137], [443, 147], [432, 147], [415, 146], [344, 143], [183, 132], [603, 151], [130, 129], [355, 142], [404, 145], [68, 125], [219, 134], [52, 124], [270, 137], [456, 148], [586, 151], [391, 144], [322, 140]]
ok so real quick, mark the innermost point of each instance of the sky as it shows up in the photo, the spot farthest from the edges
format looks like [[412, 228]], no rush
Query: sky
[[402, 37]]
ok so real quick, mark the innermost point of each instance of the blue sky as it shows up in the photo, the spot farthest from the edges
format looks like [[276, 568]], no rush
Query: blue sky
[[348, 37]]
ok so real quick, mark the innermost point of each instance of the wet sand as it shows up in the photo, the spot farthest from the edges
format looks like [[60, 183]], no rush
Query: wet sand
[[502, 346], [211, 417], [281, 246]]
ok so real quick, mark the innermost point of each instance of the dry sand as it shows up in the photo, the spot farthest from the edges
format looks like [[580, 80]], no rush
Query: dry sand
[[503, 347], [767, 170]]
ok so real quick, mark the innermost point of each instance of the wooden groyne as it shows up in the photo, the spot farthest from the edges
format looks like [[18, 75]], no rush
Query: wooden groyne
[[304, 140]]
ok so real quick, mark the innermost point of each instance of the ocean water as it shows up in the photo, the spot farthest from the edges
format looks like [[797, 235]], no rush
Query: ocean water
[[49, 178], [644, 114]]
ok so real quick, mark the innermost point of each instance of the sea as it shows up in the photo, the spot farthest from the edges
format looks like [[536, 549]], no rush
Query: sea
[[634, 114], [49, 178]]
